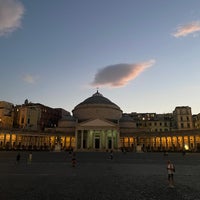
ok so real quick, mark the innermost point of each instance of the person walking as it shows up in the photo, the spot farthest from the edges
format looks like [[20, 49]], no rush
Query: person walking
[[73, 159], [18, 158], [170, 171], [111, 154]]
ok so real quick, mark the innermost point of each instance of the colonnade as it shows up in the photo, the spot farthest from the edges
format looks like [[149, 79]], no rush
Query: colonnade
[[34, 142], [160, 143], [97, 139]]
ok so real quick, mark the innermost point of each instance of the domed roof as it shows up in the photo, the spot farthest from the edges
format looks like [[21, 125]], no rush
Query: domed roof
[[97, 98], [97, 106]]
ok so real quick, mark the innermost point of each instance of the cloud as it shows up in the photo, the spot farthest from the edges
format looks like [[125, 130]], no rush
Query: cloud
[[11, 12], [187, 29], [120, 74], [28, 78]]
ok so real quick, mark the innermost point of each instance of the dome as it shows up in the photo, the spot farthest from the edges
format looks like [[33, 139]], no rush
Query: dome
[[97, 106], [97, 98]]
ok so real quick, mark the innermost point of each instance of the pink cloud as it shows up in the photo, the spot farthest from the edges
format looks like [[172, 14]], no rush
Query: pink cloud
[[187, 29], [11, 12], [120, 74]]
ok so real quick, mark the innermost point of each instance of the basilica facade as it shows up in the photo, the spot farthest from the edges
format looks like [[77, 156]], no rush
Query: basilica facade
[[98, 124]]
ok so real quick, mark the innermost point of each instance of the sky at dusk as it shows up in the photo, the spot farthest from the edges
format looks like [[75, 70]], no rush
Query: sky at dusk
[[142, 55]]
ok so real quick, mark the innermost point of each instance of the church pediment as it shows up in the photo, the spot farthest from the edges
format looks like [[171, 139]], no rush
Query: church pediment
[[97, 123]]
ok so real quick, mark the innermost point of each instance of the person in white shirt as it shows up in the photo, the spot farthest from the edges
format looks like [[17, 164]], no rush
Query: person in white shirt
[[170, 171]]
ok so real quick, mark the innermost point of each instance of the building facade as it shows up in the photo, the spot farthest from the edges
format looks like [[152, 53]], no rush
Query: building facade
[[98, 124], [6, 114]]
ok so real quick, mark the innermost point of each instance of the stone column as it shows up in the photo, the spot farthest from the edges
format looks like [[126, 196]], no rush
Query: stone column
[[129, 142], [189, 145], [88, 142], [112, 140], [81, 139], [166, 143], [11, 145], [160, 143], [172, 143], [118, 140], [76, 140], [64, 145], [93, 139], [183, 142], [16, 141], [4, 142], [106, 139], [195, 144]]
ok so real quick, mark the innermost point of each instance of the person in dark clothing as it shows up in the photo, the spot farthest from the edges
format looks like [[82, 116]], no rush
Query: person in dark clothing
[[18, 158]]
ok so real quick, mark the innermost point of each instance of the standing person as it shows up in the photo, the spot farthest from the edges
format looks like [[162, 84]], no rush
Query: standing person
[[111, 154], [30, 157], [18, 158], [170, 171], [73, 160]]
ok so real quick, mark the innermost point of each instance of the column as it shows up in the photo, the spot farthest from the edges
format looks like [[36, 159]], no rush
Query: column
[[76, 140], [189, 145], [160, 143], [81, 139], [87, 143], [166, 143], [172, 143], [4, 143], [64, 146], [183, 142], [106, 139], [10, 145], [178, 143], [155, 145], [112, 140], [117, 139], [16, 139], [195, 144]]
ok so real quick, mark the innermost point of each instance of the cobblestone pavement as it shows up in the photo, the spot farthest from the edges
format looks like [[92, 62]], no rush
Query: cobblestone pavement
[[132, 176]]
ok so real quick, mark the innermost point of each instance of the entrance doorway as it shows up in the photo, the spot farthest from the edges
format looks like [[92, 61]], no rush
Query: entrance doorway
[[97, 143], [109, 143]]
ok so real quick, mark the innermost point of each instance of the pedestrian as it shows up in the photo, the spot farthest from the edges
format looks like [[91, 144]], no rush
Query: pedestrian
[[30, 157], [111, 154], [18, 158], [73, 160], [170, 171]]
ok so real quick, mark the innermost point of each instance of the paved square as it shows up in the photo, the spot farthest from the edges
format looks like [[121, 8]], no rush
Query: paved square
[[132, 176]]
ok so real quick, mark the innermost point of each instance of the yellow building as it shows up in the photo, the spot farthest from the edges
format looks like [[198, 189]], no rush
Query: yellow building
[[6, 114]]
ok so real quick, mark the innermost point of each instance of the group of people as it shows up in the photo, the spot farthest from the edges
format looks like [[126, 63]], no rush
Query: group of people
[[170, 165], [29, 160]]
